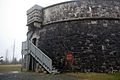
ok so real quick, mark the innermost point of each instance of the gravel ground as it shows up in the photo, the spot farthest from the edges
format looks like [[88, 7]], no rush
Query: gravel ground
[[34, 76]]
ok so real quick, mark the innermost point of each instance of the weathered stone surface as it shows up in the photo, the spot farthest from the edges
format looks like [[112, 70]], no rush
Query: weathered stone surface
[[94, 43], [82, 9]]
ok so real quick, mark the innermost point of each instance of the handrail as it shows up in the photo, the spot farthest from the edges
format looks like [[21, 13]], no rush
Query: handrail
[[41, 57], [45, 61]]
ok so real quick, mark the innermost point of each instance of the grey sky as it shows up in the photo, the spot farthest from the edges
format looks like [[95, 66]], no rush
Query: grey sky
[[13, 21]]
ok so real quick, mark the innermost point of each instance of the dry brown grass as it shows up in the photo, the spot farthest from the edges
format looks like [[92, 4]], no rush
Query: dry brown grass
[[7, 68]]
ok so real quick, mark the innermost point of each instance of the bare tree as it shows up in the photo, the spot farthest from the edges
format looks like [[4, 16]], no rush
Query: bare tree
[[1, 59], [14, 61]]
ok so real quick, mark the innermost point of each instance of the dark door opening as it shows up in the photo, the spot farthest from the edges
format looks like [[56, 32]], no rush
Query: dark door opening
[[34, 41]]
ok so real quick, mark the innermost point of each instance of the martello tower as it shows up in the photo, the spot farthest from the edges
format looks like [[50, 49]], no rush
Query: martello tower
[[89, 29]]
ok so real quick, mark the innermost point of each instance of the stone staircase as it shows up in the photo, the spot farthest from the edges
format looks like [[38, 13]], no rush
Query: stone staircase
[[44, 61]]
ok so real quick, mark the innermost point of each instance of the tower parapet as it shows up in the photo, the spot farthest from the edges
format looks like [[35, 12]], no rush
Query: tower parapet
[[34, 16]]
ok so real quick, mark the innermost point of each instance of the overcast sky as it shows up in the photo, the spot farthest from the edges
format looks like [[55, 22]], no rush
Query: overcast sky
[[13, 21]]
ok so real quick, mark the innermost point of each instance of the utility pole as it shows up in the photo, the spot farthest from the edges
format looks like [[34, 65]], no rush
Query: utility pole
[[6, 59], [13, 52]]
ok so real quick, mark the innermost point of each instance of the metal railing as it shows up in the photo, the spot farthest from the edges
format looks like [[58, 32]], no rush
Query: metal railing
[[42, 58], [24, 45]]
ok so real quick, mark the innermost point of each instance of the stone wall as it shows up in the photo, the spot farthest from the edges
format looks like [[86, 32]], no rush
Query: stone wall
[[95, 43], [82, 9]]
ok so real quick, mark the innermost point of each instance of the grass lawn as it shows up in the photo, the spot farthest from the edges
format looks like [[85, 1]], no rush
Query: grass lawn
[[97, 76], [7, 68], [84, 76]]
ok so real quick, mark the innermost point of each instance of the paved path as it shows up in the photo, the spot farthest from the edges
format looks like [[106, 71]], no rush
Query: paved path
[[34, 76]]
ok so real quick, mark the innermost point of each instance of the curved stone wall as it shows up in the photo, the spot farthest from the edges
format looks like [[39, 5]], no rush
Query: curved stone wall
[[95, 44], [82, 9]]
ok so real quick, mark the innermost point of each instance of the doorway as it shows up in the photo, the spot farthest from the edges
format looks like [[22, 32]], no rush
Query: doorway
[[34, 40]]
